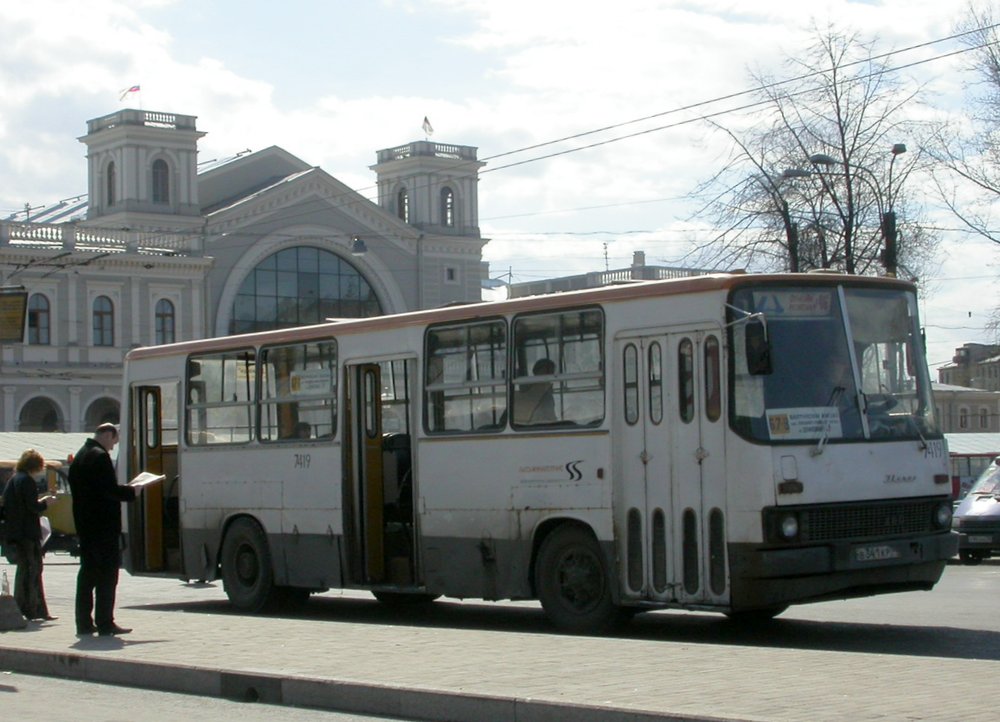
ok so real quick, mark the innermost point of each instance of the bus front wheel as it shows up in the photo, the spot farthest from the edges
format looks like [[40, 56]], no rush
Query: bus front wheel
[[572, 582], [247, 576]]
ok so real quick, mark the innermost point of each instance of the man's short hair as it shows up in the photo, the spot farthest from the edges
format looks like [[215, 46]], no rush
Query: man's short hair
[[107, 428]]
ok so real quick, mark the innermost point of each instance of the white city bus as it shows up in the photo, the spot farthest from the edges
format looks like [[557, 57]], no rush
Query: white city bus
[[731, 442]]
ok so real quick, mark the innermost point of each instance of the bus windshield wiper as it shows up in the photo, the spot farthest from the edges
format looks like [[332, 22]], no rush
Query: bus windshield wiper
[[838, 391], [916, 427]]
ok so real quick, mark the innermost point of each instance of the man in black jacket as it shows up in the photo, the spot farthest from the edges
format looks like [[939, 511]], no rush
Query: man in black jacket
[[97, 512]]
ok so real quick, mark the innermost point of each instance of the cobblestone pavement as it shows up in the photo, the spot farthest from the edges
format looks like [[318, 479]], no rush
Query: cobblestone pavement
[[917, 656]]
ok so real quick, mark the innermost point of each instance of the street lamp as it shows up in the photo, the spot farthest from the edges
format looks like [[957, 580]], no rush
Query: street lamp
[[358, 246], [887, 216]]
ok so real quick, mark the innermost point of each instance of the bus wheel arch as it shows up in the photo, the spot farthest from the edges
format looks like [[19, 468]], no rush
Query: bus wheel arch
[[247, 567], [572, 578]]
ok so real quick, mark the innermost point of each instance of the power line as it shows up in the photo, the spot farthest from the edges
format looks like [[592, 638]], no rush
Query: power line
[[151, 235], [750, 91]]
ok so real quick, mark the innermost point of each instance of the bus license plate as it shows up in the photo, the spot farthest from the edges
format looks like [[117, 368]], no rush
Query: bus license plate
[[876, 553], [981, 539]]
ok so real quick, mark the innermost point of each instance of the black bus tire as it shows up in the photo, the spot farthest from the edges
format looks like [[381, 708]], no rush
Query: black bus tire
[[247, 574], [573, 583]]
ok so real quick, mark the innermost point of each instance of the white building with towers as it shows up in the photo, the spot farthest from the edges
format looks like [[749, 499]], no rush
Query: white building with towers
[[161, 249]]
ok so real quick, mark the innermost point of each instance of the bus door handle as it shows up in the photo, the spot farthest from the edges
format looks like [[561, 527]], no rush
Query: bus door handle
[[644, 457], [701, 454]]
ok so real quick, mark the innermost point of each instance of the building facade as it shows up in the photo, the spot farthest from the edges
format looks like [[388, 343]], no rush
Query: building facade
[[162, 250], [975, 365]]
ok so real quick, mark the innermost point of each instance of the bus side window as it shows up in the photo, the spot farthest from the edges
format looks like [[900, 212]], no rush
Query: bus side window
[[571, 344]]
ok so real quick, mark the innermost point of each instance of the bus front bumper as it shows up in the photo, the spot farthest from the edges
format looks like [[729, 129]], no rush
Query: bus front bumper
[[769, 577]]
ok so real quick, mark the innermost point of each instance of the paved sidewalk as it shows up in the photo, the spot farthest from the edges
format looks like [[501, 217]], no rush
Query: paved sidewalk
[[493, 662]]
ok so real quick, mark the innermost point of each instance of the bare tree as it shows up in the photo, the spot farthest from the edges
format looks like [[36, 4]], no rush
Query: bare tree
[[817, 180], [968, 176], [967, 170]]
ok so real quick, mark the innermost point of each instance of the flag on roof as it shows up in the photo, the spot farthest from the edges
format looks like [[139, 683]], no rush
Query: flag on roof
[[428, 128], [127, 91]]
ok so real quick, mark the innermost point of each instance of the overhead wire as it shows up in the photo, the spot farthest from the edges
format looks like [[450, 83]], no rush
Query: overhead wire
[[357, 194]]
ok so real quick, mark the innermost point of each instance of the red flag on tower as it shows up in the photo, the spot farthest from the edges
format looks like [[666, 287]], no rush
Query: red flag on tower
[[128, 91]]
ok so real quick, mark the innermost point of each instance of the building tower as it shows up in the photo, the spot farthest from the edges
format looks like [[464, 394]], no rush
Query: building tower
[[142, 170], [431, 186]]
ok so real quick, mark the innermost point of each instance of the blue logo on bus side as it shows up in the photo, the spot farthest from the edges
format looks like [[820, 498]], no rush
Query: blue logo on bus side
[[573, 469]]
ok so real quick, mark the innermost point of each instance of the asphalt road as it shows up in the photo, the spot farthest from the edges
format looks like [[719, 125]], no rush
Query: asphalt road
[[906, 656]]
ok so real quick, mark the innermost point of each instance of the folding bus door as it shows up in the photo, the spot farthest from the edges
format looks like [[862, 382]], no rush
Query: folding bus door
[[669, 486]]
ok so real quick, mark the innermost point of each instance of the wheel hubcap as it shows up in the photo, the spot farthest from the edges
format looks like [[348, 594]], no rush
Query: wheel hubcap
[[247, 567], [580, 580]]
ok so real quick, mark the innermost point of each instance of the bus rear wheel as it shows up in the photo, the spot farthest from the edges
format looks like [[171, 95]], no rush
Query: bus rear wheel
[[572, 582], [247, 575]]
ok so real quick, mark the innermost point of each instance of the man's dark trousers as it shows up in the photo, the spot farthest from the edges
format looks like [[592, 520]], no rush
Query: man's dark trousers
[[96, 583]]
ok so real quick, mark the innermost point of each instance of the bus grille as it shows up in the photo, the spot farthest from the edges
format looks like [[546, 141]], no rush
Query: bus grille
[[870, 519]]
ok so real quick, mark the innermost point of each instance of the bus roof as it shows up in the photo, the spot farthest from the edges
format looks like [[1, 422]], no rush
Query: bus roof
[[604, 294]]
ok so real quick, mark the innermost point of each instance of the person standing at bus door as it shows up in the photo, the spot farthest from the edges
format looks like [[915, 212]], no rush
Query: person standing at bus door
[[535, 403], [23, 510], [97, 499]]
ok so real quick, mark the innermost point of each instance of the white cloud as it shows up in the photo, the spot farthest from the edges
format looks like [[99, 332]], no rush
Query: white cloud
[[500, 76]]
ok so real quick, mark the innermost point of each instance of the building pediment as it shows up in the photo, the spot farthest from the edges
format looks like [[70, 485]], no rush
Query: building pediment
[[352, 212]]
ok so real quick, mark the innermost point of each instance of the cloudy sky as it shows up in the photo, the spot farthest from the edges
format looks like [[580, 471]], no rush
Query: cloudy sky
[[332, 81]]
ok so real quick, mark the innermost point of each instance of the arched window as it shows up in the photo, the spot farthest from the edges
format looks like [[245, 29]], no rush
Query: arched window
[[403, 205], [111, 183], [104, 322], [101, 411], [447, 207], [39, 321], [165, 327], [39, 414], [299, 286], [161, 181]]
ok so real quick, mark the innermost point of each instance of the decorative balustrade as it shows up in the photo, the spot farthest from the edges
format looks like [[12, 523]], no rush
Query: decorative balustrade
[[142, 117], [70, 237], [427, 148]]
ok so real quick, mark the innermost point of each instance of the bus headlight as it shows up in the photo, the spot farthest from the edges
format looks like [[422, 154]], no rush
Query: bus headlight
[[942, 515], [789, 526]]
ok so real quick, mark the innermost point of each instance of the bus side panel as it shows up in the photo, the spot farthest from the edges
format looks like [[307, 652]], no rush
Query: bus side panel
[[479, 512], [292, 492]]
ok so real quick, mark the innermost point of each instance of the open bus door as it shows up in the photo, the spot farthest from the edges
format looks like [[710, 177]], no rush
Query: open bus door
[[378, 506], [154, 520]]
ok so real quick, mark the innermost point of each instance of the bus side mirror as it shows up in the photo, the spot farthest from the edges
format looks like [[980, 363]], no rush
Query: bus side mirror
[[758, 350]]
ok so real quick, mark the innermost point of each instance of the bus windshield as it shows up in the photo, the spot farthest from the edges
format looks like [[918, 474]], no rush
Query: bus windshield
[[846, 364]]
